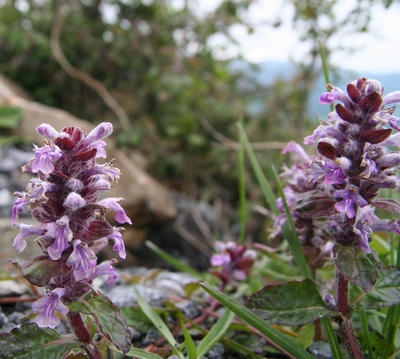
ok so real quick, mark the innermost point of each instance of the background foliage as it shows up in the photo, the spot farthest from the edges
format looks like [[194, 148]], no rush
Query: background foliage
[[181, 100]]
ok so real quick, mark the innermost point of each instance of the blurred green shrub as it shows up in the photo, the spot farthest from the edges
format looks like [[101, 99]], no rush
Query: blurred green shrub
[[157, 62]]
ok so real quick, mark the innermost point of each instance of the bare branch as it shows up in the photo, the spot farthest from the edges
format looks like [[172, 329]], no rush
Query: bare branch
[[79, 74]]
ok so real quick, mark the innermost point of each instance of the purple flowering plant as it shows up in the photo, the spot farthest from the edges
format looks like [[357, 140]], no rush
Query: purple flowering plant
[[333, 201], [71, 228]]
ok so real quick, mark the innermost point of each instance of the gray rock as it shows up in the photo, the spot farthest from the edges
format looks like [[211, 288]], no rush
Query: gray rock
[[152, 335], [11, 288], [189, 308]]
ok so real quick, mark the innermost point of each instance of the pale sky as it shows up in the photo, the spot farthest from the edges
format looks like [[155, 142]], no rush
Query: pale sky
[[379, 50]]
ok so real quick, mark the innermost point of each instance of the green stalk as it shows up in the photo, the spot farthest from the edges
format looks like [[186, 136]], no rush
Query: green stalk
[[364, 320], [242, 189], [265, 187], [325, 67], [293, 238]]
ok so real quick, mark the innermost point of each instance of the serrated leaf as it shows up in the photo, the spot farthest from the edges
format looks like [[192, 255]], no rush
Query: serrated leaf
[[41, 269], [386, 291], [292, 303], [112, 323], [31, 342], [357, 267]]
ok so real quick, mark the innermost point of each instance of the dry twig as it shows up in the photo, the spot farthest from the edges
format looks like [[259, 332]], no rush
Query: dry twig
[[79, 74]]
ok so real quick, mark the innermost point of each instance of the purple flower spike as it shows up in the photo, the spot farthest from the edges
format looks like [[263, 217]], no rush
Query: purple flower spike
[[235, 259], [113, 204], [25, 231], [47, 131], [336, 94], [101, 131], [99, 146], [334, 174], [350, 197], [363, 233], [64, 199], [392, 97], [119, 245], [220, 259], [297, 149], [74, 201], [328, 97], [48, 305], [44, 158], [83, 259], [19, 206], [106, 268], [62, 234]]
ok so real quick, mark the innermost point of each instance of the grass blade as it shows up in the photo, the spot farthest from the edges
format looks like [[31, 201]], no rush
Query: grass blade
[[291, 236], [173, 261], [332, 339], [192, 350], [242, 189], [158, 323], [364, 320], [140, 353], [325, 66], [265, 187], [215, 333], [276, 336]]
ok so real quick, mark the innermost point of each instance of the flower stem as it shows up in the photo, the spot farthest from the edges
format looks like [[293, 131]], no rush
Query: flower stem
[[343, 295], [345, 324], [79, 327], [81, 332]]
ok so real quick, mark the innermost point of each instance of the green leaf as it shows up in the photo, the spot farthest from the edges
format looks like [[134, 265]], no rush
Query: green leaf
[[306, 335], [31, 342], [215, 334], [137, 319], [273, 334], [192, 350], [41, 269], [112, 323], [158, 323], [358, 267], [292, 303], [10, 117], [386, 291]]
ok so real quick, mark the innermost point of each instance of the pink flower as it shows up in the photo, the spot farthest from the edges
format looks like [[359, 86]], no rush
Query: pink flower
[[62, 235], [113, 204], [83, 259], [48, 306], [25, 231], [44, 158], [350, 197]]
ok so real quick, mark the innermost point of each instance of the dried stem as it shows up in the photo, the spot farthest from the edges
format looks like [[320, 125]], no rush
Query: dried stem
[[83, 76]]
